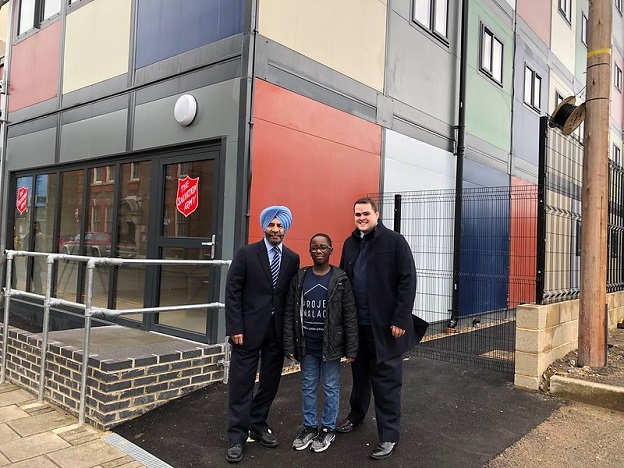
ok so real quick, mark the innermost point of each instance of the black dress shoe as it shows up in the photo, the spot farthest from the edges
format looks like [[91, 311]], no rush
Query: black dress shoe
[[383, 450], [347, 426], [235, 453], [265, 437]]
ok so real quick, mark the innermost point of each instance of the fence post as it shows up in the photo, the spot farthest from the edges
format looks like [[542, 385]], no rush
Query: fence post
[[540, 263], [87, 341], [46, 326], [7, 305], [397, 213]]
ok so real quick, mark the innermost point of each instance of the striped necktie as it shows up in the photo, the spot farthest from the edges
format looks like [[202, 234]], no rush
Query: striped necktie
[[275, 265]]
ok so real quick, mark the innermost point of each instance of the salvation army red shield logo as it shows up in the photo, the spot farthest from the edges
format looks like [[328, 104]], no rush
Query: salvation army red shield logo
[[187, 199], [22, 199]]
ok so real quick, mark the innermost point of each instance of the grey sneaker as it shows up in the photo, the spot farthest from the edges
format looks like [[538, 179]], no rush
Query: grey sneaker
[[322, 441], [305, 438]]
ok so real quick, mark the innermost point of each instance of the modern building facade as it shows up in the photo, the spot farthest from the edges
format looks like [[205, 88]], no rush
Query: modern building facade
[[143, 128]]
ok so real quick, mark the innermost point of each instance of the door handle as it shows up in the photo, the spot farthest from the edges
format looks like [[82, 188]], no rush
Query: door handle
[[211, 244]]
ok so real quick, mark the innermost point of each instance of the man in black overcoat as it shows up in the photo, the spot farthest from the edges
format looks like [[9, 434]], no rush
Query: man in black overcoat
[[256, 289], [381, 268]]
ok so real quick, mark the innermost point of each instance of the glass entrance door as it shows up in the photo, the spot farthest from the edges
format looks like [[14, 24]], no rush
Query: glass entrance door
[[184, 231]]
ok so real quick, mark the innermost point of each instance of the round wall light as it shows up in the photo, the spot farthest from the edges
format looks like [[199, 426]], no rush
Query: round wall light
[[185, 109]]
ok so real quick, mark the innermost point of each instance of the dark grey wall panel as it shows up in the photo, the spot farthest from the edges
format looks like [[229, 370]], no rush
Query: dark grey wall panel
[[219, 51], [99, 90], [422, 126], [32, 126], [284, 67], [106, 106], [217, 115], [221, 72], [524, 170], [98, 136], [486, 154], [32, 150], [31, 112]]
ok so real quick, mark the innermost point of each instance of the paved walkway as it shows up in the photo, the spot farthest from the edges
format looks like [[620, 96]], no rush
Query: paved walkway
[[34, 435]]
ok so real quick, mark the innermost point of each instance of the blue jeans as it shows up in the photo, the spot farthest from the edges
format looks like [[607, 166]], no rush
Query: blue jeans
[[312, 368]]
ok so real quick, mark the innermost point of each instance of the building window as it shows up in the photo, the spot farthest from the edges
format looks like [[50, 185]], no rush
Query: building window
[[134, 171], [95, 218], [108, 221], [532, 88], [33, 12], [97, 175], [491, 55], [432, 14], [618, 5], [110, 174], [617, 77], [565, 8], [558, 98], [584, 22], [616, 154]]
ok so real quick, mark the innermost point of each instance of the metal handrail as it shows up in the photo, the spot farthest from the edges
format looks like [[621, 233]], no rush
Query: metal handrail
[[89, 309]]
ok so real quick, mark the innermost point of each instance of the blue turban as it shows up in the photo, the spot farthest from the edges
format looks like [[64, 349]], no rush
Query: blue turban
[[280, 212]]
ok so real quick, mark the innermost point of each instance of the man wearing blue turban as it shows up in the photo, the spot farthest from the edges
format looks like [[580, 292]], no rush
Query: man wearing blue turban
[[256, 289]]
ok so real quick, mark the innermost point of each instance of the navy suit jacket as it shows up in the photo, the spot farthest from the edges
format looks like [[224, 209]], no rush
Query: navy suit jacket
[[249, 293]]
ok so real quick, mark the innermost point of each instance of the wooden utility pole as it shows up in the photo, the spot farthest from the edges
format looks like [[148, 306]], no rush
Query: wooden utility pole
[[592, 339]]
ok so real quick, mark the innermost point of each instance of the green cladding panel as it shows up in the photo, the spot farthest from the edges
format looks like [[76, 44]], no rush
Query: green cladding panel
[[488, 102]]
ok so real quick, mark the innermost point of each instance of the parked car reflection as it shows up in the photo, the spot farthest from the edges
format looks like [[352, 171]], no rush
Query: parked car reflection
[[98, 244]]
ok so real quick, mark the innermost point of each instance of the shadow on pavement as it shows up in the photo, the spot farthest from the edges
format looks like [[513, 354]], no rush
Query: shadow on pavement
[[453, 416]]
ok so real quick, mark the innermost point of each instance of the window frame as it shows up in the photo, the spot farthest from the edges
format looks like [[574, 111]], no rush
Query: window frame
[[38, 14], [618, 6], [485, 31], [534, 78], [617, 77], [616, 154], [565, 9], [431, 23], [584, 28]]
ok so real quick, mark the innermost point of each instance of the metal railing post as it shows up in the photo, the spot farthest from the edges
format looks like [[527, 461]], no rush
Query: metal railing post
[[227, 352], [46, 326], [87, 342], [5, 325]]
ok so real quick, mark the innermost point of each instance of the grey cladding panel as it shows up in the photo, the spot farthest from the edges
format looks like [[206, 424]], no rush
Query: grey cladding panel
[[217, 115], [32, 150], [98, 136], [421, 71]]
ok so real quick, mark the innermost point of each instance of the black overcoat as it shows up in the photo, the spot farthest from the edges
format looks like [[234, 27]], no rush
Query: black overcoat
[[391, 276], [249, 293]]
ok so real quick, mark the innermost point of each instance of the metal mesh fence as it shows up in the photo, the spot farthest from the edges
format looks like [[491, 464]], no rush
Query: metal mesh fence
[[497, 267]]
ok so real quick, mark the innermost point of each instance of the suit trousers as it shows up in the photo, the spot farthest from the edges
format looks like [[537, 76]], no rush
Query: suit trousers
[[246, 409], [385, 379]]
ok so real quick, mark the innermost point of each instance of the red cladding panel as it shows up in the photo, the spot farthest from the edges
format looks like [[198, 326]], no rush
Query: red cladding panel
[[523, 246], [314, 159], [35, 68]]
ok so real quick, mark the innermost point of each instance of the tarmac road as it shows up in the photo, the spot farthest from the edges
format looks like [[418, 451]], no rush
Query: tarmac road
[[453, 416]]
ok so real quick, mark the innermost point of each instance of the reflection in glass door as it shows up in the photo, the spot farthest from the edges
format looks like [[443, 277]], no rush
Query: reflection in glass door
[[186, 229], [132, 225]]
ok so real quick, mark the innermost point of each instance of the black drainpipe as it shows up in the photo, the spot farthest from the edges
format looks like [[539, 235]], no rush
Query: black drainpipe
[[459, 173]]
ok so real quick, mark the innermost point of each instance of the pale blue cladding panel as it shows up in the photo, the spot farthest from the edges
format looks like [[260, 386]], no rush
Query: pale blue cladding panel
[[170, 27]]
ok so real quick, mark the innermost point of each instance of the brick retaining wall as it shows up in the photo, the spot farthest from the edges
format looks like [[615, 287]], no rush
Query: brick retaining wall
[[117, 390]]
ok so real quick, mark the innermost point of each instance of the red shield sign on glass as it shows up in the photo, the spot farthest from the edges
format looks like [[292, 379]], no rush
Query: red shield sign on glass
[[187, 199], [22, 199]]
